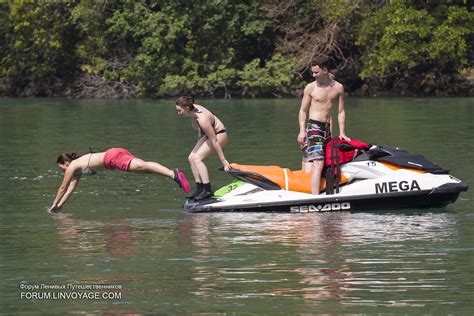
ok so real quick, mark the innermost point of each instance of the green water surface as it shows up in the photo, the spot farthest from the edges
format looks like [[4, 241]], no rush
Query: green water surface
[[130, 230]]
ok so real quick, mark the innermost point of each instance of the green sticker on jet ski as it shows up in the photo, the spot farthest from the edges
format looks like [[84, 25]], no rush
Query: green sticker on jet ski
[[228, 188]]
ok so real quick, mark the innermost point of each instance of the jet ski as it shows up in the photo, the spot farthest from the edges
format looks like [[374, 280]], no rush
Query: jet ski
[[357, 177]]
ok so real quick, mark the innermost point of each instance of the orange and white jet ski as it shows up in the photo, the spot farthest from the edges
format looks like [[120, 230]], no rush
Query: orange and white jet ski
[[358, 177]]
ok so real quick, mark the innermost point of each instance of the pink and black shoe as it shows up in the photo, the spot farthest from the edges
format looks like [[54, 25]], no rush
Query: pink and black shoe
[[180, 178]]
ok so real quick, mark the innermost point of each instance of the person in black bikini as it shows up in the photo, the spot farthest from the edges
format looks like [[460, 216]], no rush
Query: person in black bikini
[[212, 137]]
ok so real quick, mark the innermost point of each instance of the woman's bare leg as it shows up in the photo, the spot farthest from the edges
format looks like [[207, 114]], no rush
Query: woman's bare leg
[[137, 165], [200, 152], [192, 160], [197, 162]]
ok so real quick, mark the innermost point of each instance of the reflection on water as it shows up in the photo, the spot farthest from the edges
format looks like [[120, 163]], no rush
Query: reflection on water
[[80, 237], [328, 262], [85, 241], [320, 257]]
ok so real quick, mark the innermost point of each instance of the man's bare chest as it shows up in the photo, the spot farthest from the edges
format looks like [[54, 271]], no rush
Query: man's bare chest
[[324, 94]]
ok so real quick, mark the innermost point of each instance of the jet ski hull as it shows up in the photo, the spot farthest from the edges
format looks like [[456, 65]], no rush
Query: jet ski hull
[[283, 201], [435, 198]]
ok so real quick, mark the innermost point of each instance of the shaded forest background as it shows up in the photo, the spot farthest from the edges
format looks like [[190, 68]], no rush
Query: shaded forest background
[[231, 48]]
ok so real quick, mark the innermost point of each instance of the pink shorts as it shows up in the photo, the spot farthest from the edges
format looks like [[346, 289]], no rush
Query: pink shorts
[[118, 158]]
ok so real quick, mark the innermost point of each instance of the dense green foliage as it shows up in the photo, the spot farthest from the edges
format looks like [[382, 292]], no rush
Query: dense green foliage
[[402, 41], [196, 46], [231, 47], [40, 44]]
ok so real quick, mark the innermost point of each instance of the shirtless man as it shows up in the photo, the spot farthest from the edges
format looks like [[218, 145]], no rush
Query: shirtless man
[[318, 99]]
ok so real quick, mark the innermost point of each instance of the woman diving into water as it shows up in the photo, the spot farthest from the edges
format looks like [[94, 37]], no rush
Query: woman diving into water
[[74, 166]]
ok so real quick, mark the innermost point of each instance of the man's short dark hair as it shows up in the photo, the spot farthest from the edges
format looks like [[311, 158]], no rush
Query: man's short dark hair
[[323, 62]]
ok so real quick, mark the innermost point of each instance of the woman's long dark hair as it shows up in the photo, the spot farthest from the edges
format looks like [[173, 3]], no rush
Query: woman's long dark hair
[[67, 157]]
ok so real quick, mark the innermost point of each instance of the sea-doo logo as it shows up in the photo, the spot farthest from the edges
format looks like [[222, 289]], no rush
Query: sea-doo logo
[[321, 207], [395, 186]]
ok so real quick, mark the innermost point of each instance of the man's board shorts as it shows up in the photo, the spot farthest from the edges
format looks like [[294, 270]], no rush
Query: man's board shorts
[[118, 158], [317, 133]]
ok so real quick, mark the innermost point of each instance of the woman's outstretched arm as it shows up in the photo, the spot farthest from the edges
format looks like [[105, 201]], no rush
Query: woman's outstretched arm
[[64, 190]]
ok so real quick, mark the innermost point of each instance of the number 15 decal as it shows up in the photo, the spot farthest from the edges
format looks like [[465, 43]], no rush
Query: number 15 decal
[[371, 163]]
